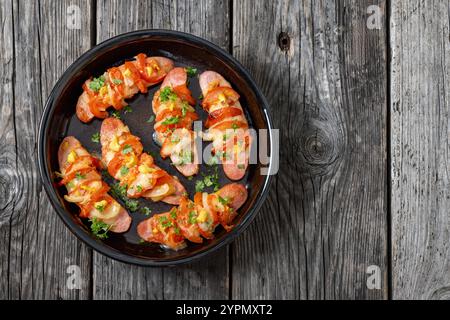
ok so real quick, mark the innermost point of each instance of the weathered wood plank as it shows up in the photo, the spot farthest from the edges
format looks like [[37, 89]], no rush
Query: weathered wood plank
[[39, 248], [10, 180], [209, 277], [325, 220], [420, 96]]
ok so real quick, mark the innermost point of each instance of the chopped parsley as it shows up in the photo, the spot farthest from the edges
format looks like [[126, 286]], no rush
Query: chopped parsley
[[165, 222], [119, 191], [184, 109], [127, 109], [150, 120], [96, 137], [115, 114], [167, 94], [80, 176], [117, 81], [139, 188], [70, 185], [100, 207], [127, 149], [192, 217], [97, 83], [199, 186], [234, 126], [124, 170], [224, 201], [171, 120], [99, 228], [133, 205], [177, 230], [146, 211], [191, 72], [173, 213], [200, 97]]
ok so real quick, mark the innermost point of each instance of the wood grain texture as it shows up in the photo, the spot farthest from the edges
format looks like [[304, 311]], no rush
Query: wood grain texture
[[420, 107], [208, 278], [36, 245], [10, 179], [325, 221]]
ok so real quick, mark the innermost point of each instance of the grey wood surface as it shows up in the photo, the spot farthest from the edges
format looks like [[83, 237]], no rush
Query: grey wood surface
[[359, 136], [37, 247], [420, 101], [325, 221]]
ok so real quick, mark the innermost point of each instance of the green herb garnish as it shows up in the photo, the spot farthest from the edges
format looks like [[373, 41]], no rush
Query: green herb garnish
[[97, 83], [99, 228], [80, 176], [184, 109], [124, 170], [117, 81], [146, 211], [167, 94], [139, 188], [127, 109], [199, 186], [150, 120], [127, 149], [96, 137], [192, 217], [173, 213], [165, 222], [234, 126], [171, 120], [224, 201], [133, 205], [191, 72], [100, 207], [115, 114], [119, 191]]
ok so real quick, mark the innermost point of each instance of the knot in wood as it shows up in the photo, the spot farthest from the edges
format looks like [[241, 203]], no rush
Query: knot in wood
[[319, 147], [12, 178], [284, 41]]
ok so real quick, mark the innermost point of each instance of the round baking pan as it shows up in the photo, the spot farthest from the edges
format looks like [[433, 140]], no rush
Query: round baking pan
[[59, 120]]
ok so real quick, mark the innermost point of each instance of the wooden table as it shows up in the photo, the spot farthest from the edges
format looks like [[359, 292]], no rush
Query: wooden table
[[362, 105]]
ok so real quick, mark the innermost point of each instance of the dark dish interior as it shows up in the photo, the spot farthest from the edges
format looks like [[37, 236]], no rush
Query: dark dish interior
[[61, 121]]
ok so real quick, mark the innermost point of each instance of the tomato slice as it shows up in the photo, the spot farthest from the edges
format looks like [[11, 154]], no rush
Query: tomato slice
[[135, 76], [117, 81], [166, 113], [135, 143], [232, 124], [189, 227], [214, 96], [219, 115], [185, 122], [100, 194], [198, 199], [115, 164], [69, 177], [184, 93]]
